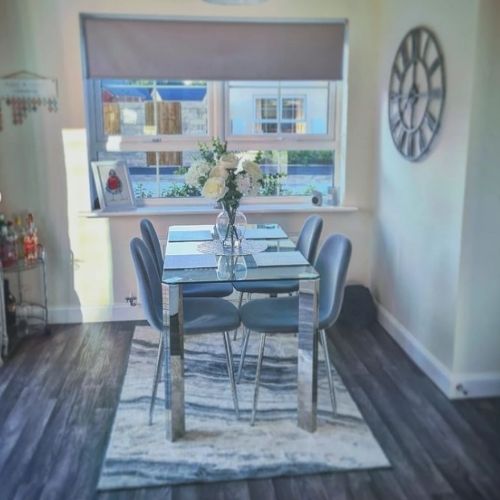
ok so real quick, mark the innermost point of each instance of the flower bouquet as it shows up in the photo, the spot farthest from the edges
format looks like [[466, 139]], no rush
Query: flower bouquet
[[227, 182]]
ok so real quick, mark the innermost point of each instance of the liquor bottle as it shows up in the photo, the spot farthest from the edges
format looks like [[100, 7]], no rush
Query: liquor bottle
[[10, 304], [9, 245], [20, 237], [30, 240]]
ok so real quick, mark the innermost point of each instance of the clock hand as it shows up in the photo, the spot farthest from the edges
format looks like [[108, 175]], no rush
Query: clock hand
[[431, 93]]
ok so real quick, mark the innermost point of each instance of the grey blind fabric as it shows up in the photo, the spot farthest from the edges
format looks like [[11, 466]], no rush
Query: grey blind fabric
[[207, 50]]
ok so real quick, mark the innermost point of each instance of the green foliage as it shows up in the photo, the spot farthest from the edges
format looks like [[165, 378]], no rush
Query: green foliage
[[231, 200], [309, 190], [270, 184], [181, 170], [180, 191], [259, 158], [211, 153], [141, 192], [310, 157], [266, 157]]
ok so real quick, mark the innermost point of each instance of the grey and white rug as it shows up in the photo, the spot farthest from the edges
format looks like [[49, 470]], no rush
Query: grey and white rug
[[216, 446]]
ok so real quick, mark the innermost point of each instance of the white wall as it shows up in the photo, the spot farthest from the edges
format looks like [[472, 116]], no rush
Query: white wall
[[436, 238], [478, 321], [44, 165], [419, 217]]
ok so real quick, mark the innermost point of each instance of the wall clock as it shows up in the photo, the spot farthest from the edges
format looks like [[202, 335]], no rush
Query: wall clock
[[417, 90]]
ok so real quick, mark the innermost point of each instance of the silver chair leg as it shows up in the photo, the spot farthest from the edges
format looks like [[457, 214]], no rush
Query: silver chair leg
[[159, 360], [243, 353], [257, 376], [235, 336], [324, 343], [230, 372]]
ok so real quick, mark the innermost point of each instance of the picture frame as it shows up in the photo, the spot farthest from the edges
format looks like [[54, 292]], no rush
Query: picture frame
[[113, 186]]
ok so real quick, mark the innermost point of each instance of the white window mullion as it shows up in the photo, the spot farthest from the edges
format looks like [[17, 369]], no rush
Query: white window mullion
[[155, 111], [217, 111]]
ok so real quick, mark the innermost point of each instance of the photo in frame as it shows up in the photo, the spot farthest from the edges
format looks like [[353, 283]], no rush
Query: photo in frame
[[112, 183]]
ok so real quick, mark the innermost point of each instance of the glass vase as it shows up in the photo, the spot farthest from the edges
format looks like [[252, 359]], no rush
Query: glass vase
[[231, 267], [231, 225]]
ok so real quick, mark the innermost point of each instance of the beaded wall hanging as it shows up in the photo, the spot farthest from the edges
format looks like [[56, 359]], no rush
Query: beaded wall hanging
[[25, 92]]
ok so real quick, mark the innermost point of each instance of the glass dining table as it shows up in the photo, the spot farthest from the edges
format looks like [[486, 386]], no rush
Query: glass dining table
[[268, 254]]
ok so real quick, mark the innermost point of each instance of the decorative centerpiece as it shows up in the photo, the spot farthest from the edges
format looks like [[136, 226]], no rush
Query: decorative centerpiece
[[227, 182]]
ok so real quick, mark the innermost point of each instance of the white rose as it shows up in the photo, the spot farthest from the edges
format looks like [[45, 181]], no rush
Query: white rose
[[214, 188], [192, 178], [228, 161], [204, 169], [252, 169], [196, 172], [218, 172]]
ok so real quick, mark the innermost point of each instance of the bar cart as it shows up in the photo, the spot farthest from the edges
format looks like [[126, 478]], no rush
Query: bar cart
[[31, 317]]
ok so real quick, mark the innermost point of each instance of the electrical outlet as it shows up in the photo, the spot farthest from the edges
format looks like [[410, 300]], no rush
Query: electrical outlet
[[131, 299]]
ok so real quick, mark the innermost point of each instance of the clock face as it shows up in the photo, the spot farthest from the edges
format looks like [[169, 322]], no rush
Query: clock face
[[416, 93]]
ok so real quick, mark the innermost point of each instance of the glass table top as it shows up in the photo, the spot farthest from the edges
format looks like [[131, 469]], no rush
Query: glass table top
[[187, 262]]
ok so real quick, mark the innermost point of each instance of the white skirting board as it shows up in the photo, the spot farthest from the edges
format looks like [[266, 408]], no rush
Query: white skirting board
[[95, 314], [453, 385]]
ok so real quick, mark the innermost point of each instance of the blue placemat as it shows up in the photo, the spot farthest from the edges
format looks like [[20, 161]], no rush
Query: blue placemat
[[265, 233], [190, 261], [196, 235]]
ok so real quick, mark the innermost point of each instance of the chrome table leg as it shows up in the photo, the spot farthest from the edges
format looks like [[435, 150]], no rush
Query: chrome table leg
[[174, 360], [307, 383]]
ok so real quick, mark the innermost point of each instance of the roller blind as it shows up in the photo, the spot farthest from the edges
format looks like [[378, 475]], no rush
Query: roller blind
[[207, 50]]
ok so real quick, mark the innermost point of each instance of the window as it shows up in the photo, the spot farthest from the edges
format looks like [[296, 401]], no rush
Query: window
[[286, 116], [281, 108], [266, 115], [135, 108], [156, 126]]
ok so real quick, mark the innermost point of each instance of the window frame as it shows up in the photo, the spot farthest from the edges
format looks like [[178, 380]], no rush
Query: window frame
[[279, 121], [286, 141], [217, 125], [265, 121], [146, 142]]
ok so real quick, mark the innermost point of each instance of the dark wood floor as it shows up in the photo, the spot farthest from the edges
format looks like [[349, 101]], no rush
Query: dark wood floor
[[58, 395]]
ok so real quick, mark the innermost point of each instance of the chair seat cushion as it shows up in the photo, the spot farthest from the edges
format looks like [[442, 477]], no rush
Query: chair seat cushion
[[277, 315], [207, 290], [209, 315], [267, 287]]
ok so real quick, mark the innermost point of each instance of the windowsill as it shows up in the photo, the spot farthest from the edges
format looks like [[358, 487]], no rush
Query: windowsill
[[263, 208]]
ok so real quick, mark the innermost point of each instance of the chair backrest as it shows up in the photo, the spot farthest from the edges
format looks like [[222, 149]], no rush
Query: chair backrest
[[307, 244], [332, 264], [150, 237], [149, 282]]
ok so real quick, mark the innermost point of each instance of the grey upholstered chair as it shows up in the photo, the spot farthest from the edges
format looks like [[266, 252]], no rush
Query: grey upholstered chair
[[281, 315], [307, 244], [201, 315], [150, 237]]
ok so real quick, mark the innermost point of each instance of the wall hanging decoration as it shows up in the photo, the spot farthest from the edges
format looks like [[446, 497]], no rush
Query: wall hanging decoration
[[417, 90], [25, 92]]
